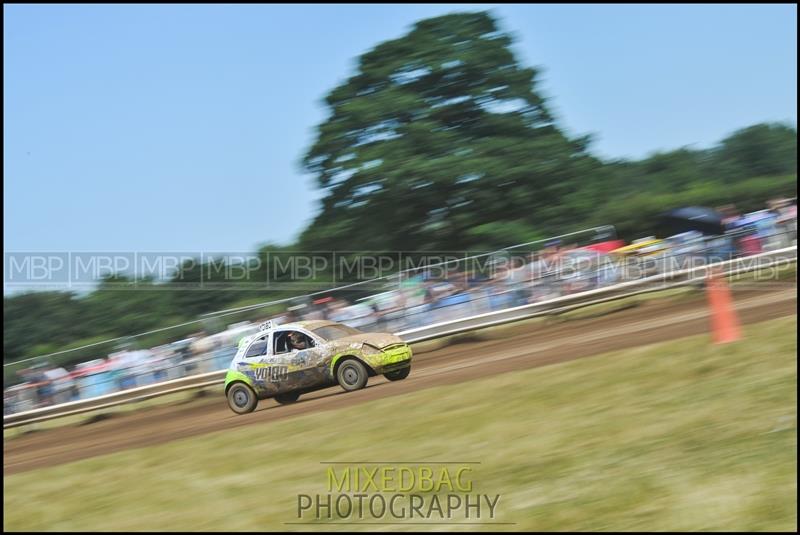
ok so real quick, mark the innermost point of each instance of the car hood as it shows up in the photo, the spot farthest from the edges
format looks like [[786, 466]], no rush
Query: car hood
[[379, 340]]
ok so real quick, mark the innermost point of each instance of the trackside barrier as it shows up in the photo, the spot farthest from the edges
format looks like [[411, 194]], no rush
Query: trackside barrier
[[600, 295], [653, 283]]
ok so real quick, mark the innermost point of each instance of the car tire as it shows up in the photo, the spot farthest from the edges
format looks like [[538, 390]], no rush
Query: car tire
[[288, 397], [398, 375], [352, 375], [241, 398]]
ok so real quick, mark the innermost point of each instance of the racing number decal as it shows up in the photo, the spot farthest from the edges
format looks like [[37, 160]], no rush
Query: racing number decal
[[272, 374]]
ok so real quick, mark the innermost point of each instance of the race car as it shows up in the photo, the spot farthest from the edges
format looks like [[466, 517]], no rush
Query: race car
[[287, 361]]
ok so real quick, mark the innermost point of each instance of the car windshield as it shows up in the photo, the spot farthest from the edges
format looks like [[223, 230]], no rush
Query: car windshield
[[334, 332]]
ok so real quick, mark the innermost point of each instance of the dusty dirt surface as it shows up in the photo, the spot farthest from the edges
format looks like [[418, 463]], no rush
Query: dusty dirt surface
[[537, 345]]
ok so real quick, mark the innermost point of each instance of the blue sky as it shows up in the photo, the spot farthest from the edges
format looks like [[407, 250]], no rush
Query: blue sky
[[180, 128]]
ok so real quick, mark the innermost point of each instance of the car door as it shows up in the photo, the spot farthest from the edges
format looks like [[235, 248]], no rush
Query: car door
[[304, 367]]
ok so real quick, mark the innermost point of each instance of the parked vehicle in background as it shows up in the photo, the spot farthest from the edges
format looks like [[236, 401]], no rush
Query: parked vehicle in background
[[640, 258]]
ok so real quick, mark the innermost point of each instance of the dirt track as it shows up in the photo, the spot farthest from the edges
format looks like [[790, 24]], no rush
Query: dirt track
[[536, 346]]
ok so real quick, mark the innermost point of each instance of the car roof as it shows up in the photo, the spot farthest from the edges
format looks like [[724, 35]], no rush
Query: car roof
[[307, 324]]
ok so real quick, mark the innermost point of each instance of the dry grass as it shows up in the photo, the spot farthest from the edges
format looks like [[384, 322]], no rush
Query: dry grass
[[681, 435]]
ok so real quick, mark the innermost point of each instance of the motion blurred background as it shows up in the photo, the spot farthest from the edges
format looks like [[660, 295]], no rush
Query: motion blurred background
[[485, 158], [166, 129]]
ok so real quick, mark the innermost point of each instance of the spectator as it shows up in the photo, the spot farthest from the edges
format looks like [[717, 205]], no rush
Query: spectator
[[750, 244], [786, 222], [730, 215], [44, 388]]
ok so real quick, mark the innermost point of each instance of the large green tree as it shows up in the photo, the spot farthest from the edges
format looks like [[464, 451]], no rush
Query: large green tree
[[764, 149], [437, 133]]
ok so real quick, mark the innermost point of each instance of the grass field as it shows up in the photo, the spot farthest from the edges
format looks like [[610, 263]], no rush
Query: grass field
[[682, 435]]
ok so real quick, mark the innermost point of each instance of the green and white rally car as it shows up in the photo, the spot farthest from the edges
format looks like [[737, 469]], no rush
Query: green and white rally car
[[286, 361]]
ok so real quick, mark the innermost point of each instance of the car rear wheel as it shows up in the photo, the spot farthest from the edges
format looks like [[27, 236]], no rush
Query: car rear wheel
[[241, 398], [398, 375], [288, 397], [352, 375]]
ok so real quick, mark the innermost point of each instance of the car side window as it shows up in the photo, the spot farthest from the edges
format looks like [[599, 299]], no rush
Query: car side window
[[281, 342], [284, 345], [258, 348]]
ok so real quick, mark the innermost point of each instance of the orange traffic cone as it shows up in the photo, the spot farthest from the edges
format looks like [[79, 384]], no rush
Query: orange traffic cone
[[724, 323]]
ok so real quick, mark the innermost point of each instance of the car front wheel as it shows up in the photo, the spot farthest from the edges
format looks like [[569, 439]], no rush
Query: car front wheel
[[352, 375], [242, 399]]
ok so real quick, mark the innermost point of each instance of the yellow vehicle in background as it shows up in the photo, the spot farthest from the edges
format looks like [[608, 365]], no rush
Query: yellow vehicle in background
[[640, 258], [641, 247]]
